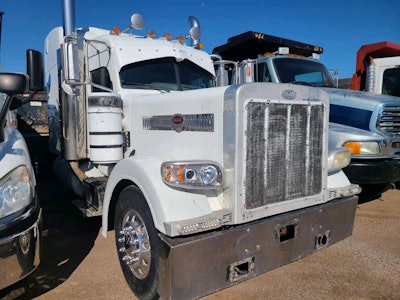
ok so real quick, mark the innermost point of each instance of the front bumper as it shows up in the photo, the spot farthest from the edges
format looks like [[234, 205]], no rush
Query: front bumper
[[20, 245], [197, 265], [373, 172]]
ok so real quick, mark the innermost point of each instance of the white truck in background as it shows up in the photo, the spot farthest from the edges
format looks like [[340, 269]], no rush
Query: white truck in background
[[378, 69], [20, 211], [204, 186], [369, 125]]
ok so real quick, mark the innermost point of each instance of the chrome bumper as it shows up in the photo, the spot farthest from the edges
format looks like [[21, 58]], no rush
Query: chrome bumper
[[20, 252]]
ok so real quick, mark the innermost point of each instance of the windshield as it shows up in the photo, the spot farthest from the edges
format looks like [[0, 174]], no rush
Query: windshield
[[391, 82], [165, 74], [302, 71]]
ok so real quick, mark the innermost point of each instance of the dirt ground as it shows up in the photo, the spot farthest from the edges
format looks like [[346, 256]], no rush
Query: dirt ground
[[79, 263]]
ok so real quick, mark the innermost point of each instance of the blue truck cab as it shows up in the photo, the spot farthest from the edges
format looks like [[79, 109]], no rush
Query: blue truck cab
[[367, 124]]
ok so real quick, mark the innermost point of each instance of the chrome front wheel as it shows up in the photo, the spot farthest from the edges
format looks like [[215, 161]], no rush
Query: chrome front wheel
[[137, 243], [134, 244]]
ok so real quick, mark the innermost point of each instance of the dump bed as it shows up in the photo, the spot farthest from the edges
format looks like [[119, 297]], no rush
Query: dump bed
[[250, 44]]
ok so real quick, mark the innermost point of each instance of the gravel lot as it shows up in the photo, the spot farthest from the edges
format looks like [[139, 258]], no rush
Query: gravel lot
[[78, 263]]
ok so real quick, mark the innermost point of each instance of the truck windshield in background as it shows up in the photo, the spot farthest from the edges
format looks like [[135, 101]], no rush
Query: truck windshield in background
[[165, 74], [391, 82], [299, 71]]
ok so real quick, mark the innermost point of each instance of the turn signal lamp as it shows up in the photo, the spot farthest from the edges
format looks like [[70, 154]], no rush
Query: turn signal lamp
[[200, 45], [363, 148], [152, 34], [192, 174]]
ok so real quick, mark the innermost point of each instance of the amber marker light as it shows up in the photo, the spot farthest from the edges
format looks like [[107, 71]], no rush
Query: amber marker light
[[116, 30], [168, 36], [167, 173], [180, 174], [354, 147], [248, 71]]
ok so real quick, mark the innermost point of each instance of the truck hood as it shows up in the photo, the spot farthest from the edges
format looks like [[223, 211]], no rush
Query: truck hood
[[359, 99], [340, 134], [353, 133]]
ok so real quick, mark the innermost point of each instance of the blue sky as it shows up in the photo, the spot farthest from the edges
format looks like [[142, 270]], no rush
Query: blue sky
[[340, 27]]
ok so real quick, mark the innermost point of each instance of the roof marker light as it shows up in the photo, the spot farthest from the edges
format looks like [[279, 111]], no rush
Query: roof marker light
[[168, 36], [115, 31], [151, 34]]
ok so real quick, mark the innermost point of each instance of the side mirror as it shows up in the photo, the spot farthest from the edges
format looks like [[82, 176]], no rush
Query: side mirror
[[10, 84], [194, 31], [35, 70], [13, 83]]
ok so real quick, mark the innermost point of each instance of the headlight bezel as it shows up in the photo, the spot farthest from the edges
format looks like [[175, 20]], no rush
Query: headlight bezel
[[363, 148], [192, 174], [16, 191]]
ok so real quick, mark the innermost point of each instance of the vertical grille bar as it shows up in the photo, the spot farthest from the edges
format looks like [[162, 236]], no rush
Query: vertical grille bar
[[284, 150], [256, 153]]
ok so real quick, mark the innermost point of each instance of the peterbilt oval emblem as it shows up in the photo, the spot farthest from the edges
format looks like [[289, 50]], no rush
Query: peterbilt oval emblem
[[289, 94], [178, 123], [177, 119]]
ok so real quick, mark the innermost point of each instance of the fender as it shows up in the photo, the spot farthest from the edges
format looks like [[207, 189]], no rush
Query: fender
[[145, 173]]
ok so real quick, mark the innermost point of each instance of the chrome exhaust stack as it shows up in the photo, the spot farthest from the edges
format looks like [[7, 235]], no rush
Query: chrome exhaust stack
[[68, 9]]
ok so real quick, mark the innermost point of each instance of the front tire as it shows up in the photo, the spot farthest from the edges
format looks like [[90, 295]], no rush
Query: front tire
[[137, 243]]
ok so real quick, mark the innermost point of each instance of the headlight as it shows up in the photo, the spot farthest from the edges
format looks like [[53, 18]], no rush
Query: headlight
[[192, 174], [363, 148], [15, 191], [338, 159]]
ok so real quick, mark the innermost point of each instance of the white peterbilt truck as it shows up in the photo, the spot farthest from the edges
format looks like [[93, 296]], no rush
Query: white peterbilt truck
[[20, 211], [367, 124], [206, 186]]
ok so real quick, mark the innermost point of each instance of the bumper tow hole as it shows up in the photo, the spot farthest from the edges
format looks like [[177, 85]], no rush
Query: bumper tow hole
[[286, 232], [322, 240], [241, 270]]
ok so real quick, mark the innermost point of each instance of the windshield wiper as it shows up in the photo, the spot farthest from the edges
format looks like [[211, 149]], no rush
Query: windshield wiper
[[302, 83], [147, 86]]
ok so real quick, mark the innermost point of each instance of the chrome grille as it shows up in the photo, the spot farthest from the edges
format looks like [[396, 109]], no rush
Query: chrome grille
[[284, 151], [389, 120]]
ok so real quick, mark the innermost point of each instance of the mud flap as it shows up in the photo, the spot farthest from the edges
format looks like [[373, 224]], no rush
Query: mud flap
[[195, 266]]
